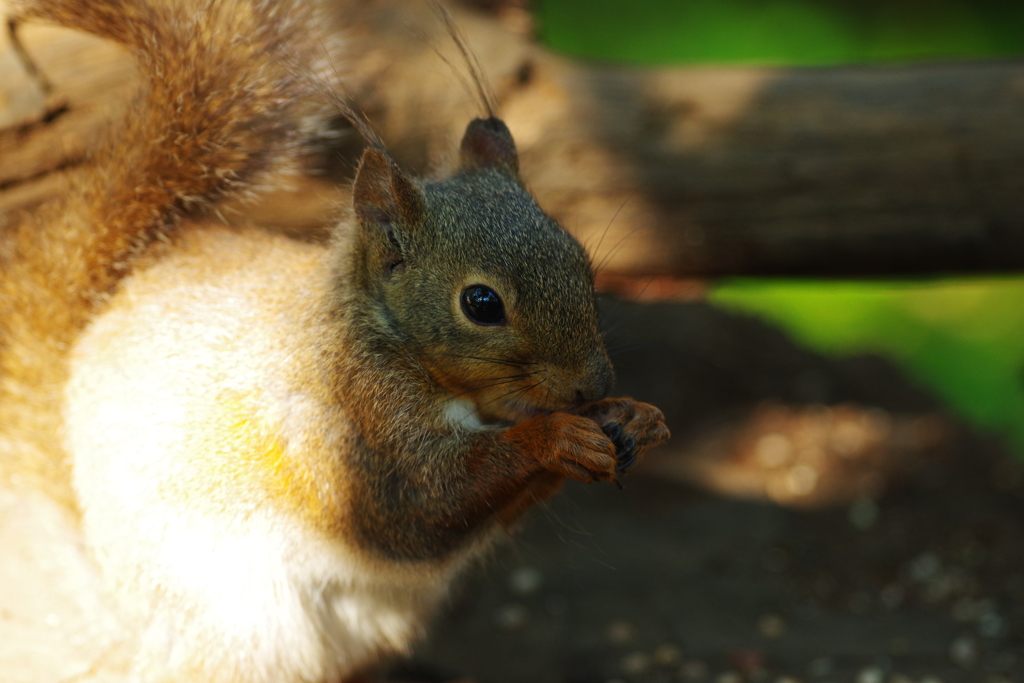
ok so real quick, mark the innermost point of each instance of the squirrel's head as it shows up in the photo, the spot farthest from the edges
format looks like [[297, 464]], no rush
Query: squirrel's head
[[492, 296]]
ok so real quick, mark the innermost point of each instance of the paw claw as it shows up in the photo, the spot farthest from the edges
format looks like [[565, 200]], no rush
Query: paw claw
[[624, 461], [613, 431], [633, 427]]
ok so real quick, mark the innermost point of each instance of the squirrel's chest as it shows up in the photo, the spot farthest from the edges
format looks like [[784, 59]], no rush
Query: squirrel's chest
[[212, 503]]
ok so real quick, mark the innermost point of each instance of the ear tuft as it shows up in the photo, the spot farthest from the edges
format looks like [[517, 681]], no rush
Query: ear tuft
[[489, 144]]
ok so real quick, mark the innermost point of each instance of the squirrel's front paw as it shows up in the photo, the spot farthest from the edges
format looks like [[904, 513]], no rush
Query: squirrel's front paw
[[574, 446], [631, 425]]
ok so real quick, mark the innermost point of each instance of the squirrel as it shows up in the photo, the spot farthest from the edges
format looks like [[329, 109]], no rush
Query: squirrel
[[281, 453]]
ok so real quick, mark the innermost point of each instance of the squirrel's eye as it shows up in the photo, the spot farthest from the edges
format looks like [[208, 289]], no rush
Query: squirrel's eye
[[482, 305]]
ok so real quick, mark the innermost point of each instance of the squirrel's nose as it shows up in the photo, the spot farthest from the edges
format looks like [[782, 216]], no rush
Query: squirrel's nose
[[595, 388]]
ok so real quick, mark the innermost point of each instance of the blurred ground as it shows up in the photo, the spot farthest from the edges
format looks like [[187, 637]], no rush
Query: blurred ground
[[915, 576]]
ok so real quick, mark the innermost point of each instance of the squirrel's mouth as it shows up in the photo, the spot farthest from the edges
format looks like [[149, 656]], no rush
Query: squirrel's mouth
[[518, 409], [524, 411], [502, 400]]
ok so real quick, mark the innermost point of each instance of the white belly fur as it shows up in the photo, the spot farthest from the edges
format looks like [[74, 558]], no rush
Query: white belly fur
[[218, 590]]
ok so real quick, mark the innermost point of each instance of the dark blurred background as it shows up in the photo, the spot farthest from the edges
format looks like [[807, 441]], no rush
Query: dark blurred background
[[842, 500]]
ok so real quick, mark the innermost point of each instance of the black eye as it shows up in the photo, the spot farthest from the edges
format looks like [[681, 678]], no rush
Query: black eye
[[482, 305]]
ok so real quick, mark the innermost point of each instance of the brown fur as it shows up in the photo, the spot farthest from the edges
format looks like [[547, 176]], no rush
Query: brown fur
[[332, 412], [213, 122]]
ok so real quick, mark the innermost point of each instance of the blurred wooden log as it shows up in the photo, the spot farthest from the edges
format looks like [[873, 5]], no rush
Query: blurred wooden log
[[679, 172]]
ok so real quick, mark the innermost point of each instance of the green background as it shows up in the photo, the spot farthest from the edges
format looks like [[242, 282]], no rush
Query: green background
[[812, 32], [964, 338]]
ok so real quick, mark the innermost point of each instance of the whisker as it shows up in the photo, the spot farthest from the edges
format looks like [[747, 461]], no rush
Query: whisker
[[485, 359], [639, 294], [615, 351], [614, 216], [618, 301], [521, 390], [611, 252], [414, 350], [487, 384], [496, 382]]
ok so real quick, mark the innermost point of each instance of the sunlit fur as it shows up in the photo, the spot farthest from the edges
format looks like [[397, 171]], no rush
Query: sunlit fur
[[279, 454], [207, 447], [218, 117]]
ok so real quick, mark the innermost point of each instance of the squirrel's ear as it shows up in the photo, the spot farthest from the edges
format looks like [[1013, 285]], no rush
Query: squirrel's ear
[[489, 144], [385, 198]]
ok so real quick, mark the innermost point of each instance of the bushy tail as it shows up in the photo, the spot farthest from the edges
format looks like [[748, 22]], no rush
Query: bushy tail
[[227, 102]]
